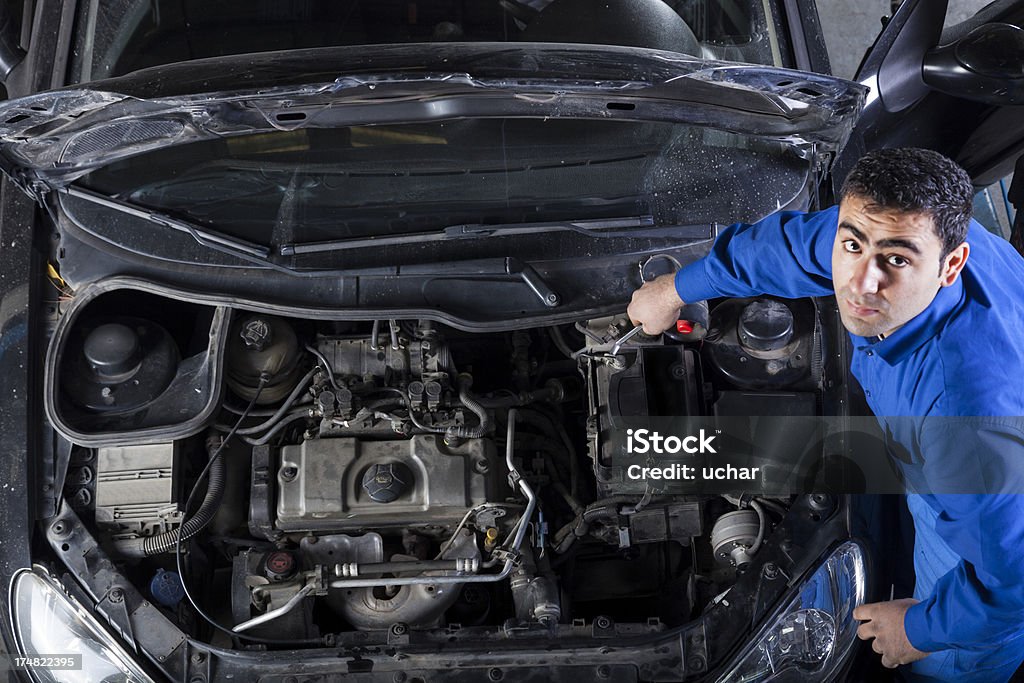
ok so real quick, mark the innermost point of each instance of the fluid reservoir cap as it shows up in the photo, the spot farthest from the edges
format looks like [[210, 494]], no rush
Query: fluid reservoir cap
[[385, 482], [765, 325], [112, 351], [166, 588], [257, 333], [279, 565]]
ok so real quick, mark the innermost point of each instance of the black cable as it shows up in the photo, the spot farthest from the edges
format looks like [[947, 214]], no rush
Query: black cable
[[327, 366], [177, 545]]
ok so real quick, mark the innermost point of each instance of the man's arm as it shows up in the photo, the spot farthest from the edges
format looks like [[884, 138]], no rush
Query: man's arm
[[788, 254]]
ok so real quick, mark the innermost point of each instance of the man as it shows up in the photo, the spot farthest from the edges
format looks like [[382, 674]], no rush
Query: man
[[935, 309]]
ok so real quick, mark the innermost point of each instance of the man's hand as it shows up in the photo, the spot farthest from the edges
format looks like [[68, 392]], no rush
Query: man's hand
[[883, 621], [656, 305]]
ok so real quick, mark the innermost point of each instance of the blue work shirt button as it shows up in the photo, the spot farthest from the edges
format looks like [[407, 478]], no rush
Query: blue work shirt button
[[870, 353]]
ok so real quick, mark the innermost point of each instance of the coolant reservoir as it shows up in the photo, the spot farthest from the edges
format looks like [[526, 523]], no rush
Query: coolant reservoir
[[261, 344]]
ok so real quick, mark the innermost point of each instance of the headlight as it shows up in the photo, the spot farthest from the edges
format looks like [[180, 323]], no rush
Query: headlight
[[47, 622], [811, 636]]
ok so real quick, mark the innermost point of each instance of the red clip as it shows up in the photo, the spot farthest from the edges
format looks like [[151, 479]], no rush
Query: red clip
[[684, 327]]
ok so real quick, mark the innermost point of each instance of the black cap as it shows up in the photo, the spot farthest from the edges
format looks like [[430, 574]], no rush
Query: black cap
[[385, 482], [112, 351]]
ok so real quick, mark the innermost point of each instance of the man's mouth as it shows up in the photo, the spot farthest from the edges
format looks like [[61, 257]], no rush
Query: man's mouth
[[861, 311]]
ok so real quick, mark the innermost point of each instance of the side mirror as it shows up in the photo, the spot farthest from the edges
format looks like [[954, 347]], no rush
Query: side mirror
[[986, 65]]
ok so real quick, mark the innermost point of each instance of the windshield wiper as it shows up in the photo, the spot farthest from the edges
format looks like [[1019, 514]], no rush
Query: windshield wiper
[[249, 251], [597, 228]]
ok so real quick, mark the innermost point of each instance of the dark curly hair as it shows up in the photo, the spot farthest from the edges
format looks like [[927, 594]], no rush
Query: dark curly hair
[[914, 180]]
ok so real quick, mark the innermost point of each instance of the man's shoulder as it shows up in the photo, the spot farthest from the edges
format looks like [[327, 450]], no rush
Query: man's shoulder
[[994, 272]]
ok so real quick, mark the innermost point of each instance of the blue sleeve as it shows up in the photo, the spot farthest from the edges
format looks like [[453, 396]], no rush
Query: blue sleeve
[[787, 254], [980, 601]]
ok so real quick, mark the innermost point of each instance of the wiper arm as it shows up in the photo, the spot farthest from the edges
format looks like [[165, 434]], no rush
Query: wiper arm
[[604, 227], [249, 251]]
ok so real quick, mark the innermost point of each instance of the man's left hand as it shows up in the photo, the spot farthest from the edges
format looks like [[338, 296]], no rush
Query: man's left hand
[[883, 621]]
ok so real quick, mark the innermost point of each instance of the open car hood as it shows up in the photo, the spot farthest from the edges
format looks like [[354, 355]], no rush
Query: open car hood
[[50, 139]]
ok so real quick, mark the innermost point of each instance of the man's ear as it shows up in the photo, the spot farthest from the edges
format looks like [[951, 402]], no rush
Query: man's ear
[[953, 264]]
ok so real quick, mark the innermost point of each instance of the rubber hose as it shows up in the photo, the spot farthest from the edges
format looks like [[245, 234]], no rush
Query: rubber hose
[[469, 400], [284, 422]]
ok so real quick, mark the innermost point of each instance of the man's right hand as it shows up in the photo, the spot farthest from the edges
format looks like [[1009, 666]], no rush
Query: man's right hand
[[656, 305]]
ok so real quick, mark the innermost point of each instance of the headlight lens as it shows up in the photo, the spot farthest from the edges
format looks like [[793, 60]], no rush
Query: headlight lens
[[811, 636], [47, 622]]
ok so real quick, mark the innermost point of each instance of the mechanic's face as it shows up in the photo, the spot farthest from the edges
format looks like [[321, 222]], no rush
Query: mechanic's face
[[886, 267]]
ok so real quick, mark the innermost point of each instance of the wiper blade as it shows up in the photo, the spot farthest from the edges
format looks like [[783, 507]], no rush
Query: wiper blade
[[597, 228], [249, 251]]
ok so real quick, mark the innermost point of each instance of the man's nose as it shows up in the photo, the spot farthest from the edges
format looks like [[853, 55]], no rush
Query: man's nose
[[867, 278]]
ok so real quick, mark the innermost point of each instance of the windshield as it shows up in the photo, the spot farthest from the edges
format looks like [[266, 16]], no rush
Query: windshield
[[314, 184], [115, 37]]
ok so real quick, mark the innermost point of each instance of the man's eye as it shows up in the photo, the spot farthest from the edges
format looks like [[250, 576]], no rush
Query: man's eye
[[851, 246], [898, 261]]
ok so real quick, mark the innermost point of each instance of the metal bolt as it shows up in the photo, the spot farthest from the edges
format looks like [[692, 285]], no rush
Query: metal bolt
[[820, 502], [482, 466], [116, 595], [289, 473], [495, 674], [197, 679], [604, 671], [695, 663], [770, 571], [603, 623], [399, 677], [58, 528], [198, 658], [399, 629], [552, 299]]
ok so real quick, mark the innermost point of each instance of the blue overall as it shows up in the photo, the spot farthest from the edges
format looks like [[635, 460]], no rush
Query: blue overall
[[948, 391]]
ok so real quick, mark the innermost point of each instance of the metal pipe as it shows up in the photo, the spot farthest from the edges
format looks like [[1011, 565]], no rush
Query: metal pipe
[[275, 613], [393, 326], [353, 569], [374, 333]]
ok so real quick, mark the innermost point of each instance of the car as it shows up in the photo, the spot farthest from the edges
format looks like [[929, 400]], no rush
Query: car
[[314, 353]]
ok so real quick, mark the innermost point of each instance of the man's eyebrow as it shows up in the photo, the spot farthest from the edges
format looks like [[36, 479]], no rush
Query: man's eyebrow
[[890, 242], [856, 233]]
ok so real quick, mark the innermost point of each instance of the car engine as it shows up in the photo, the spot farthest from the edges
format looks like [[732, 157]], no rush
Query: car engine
[[403, 475]]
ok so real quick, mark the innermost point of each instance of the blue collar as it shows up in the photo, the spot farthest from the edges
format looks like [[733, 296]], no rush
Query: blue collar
[[918, 329]]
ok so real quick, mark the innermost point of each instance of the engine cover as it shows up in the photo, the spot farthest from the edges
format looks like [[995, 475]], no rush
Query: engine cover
[[327, 484]]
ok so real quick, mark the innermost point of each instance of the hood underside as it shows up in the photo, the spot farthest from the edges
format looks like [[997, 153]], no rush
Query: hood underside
[[50, 139]]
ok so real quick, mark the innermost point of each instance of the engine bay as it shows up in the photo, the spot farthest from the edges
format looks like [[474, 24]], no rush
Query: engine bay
[[281, 479]]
